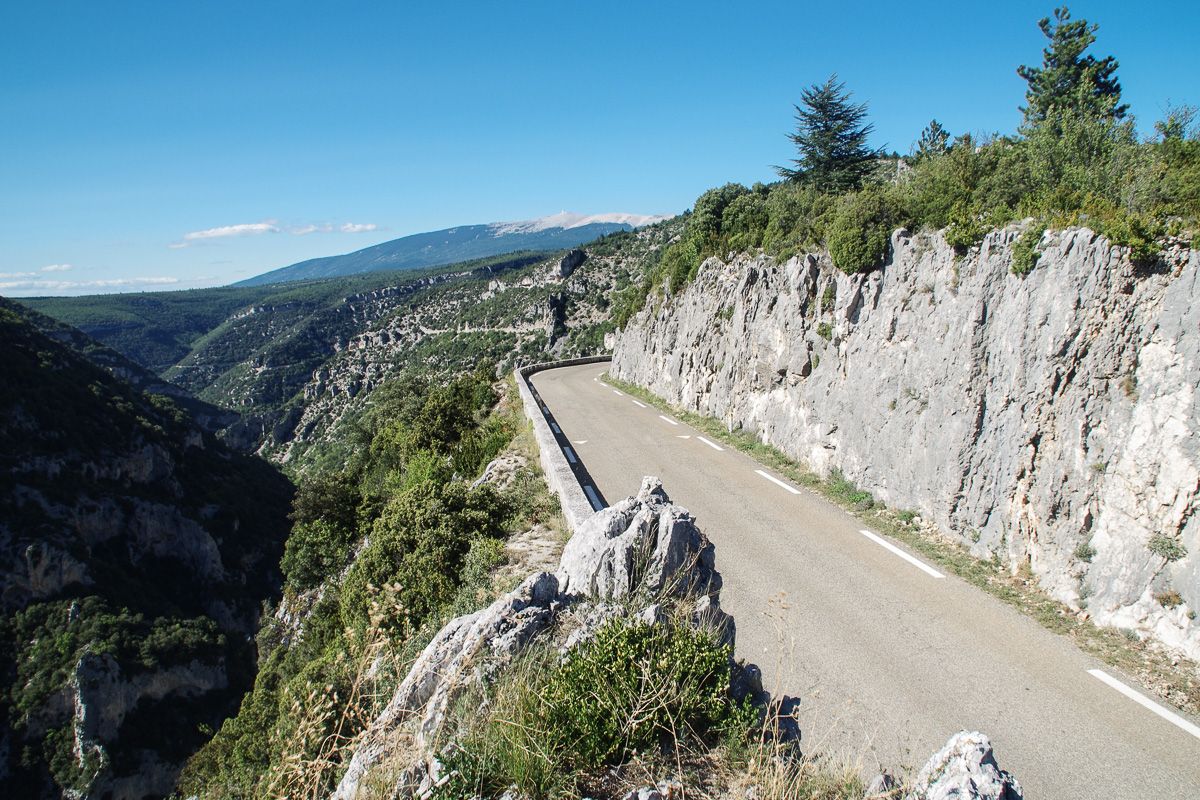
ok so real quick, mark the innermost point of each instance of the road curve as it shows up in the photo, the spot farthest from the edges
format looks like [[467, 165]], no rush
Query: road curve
[[888, 656]]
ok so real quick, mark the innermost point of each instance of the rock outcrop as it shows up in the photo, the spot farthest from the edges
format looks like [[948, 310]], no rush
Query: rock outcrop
[[1047, 419], [964, 769], [644, 546]]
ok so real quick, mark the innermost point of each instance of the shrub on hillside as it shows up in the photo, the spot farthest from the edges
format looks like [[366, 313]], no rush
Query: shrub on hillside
[[860, 230]]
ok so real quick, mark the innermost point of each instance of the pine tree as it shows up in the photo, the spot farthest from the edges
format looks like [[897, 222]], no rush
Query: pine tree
[[831, 139], [935, 140], [1069, 81]]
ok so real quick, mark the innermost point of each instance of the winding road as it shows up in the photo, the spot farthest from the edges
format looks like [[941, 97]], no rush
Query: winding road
[[888, 656]]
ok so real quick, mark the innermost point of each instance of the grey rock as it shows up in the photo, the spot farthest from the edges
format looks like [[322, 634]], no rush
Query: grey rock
[[571, 262], [1047, 420], [882, 787], [964, 769]]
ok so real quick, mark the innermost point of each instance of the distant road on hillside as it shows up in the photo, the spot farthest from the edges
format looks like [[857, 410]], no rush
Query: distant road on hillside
[[888, 655]]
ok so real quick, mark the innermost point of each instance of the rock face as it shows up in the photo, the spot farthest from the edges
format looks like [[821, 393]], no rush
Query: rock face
[[1048, 420], [570, 262], [601, 563]]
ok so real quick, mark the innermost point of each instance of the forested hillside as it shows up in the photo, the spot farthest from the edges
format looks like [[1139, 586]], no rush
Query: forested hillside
[[137, 552]]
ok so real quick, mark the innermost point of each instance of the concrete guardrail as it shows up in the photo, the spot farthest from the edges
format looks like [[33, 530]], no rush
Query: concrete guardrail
[[560, 475]]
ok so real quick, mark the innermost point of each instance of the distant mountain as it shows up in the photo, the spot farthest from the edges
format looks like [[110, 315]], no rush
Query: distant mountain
[[449, 246]]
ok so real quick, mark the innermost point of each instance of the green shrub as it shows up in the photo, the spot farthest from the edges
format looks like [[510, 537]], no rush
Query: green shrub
[[744, 221], [860, 230], [1024, 251], [1166, 546], [419, 542], [825, 330], [796, 215], [1085, 552], [315, 550], [631, 688]]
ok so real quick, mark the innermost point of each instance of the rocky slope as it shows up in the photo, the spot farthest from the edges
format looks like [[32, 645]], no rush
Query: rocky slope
[[135, 554], [1046, 420], [634, 561]]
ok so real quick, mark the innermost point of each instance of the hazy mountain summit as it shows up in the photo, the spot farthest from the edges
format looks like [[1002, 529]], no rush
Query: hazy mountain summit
[[436, 248]]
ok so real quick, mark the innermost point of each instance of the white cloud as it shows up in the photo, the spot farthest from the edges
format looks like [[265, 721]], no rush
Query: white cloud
[[226, 231], [358, 227], [245, 229], [56, 268], [304, 230], [59, 286], [17, 274]]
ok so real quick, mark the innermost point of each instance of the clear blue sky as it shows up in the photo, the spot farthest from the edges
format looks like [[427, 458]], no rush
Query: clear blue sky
[[128, 125]]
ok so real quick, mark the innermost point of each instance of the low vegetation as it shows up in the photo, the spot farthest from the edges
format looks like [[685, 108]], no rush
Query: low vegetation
[[382, 553]]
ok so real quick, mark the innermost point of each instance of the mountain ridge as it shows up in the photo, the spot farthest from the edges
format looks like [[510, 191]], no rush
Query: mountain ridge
[[460, 243]]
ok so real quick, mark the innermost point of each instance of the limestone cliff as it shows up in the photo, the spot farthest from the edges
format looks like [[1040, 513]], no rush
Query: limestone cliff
[[1046, 419]]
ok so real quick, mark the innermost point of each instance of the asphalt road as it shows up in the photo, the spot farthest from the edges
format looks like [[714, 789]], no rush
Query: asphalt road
[[888, 656]]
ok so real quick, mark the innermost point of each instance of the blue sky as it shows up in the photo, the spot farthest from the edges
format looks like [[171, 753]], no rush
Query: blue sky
[[293, 130]]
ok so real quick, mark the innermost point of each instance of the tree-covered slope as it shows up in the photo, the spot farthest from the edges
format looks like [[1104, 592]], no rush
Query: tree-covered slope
[[135, 553]]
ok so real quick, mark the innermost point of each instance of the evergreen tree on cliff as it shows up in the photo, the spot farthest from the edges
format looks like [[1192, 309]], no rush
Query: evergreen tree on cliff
[[1069, 82], [831, 138]]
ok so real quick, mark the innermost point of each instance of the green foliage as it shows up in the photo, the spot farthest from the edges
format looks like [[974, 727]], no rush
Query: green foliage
[[631, 688], [1085, 552], [1166, 546], [825, 330], [313, 551], [419, 542], [831, 139], [796, 215], [934, 141], [1068, 80], [860, 230], [1024, 251]]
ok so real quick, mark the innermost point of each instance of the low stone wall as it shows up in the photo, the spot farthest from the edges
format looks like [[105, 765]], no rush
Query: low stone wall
[[559, 475]]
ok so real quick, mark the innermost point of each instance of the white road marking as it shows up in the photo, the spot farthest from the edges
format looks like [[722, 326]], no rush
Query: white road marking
[[667, 419], [711, 444], [581, 441], [775, 480], [554, 426], [639, 405], [1137, 697], [570, 454], [618, 392], [592, 498], [602, 383], [921, 565], [684, 437]]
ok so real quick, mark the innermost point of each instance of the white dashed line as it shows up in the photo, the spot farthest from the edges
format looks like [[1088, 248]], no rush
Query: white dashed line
[[639, 405], [686, 436], [592, 498], [1145, 702], [710, 444], [605, 385], [775, 480], [581, 441], [554, 426], [667, 419], [879, 540], [570, 455], [618, 392]]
